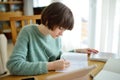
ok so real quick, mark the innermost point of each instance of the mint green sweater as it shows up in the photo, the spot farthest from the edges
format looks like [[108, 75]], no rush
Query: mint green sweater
[[33, 51]]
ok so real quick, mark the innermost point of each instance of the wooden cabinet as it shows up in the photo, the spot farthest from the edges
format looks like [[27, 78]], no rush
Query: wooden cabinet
[[9, 8]]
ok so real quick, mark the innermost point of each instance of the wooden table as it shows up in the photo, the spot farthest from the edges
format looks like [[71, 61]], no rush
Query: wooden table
[[42, 77]]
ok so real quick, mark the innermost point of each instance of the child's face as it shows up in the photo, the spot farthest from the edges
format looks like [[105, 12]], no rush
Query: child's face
[[57, 32]]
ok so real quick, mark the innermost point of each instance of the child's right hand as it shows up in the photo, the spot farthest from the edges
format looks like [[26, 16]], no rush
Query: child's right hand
[[58, 65]]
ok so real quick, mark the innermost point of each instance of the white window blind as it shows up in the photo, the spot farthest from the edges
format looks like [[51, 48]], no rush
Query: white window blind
[[107, 26]]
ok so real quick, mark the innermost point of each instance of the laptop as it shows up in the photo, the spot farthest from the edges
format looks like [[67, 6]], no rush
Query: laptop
[[80, 74]]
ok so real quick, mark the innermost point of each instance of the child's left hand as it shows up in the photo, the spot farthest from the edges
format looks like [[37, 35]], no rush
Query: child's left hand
[[87, 50]]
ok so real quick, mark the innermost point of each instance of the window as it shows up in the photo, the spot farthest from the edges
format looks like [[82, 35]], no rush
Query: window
[[107, 25], [41, 3]]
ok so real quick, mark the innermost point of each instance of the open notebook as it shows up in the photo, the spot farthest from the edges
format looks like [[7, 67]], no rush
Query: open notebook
[[79, 74], [111, 71]]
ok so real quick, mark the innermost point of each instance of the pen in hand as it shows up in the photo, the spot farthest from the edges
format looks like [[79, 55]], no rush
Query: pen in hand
[[63, 58], [66, 62], [92, 76]]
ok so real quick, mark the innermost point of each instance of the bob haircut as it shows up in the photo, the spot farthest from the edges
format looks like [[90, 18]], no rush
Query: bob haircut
[[57, 15]]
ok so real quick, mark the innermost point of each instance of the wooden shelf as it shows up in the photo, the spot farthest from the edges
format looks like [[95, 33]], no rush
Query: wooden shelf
[[9, 8], [4, 16]]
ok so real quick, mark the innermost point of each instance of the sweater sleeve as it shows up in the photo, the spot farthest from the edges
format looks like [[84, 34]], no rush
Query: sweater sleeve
[[17, 63]]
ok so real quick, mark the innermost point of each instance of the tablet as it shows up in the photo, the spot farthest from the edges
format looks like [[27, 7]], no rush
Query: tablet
[[79, 74]]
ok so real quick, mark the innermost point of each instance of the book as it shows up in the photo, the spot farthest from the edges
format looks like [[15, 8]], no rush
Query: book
[[79, 74], [103, 56], [77, 61], [110, 71]]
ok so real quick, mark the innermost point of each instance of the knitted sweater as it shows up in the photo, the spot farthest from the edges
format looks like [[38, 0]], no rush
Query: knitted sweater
[[33, 51]]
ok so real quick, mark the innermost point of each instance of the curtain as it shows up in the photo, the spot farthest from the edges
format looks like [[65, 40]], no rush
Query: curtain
[[106, 25]]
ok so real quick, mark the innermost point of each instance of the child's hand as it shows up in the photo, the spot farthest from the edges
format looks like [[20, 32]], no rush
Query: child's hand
[[87, 50], [58, 65]]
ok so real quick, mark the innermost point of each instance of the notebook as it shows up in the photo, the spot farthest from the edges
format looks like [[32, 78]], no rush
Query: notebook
[[111, 71], [103, 56], [79, 74]]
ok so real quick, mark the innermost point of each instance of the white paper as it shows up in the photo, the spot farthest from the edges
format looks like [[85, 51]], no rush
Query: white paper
[[77, 61]]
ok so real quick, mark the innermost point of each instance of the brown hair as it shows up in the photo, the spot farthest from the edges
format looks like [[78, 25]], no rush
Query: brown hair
[[57, 15]]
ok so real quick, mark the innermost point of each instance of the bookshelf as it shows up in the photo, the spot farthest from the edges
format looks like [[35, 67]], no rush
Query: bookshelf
[[9, 8]]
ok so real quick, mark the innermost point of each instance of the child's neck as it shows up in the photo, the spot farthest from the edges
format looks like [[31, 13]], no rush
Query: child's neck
[[43, 29]]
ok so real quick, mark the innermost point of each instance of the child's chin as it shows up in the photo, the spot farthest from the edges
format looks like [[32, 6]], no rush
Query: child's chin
[[54, 37]]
